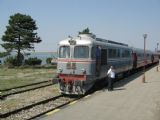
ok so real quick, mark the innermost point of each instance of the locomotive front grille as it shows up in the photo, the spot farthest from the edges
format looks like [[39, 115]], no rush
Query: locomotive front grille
[[71, 65], [68, 66]]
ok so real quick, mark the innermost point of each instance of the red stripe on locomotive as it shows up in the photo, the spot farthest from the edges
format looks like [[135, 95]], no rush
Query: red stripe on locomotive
[[71, 78]]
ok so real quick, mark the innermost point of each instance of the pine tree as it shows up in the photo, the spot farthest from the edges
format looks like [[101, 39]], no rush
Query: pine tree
[[20, 35], [85, 31]]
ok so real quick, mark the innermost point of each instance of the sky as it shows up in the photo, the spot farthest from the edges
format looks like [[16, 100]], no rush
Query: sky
[[119, 20]]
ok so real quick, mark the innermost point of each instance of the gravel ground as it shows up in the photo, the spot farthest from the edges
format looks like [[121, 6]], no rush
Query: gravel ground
[[26, 88], [38, 109], [19, 100]]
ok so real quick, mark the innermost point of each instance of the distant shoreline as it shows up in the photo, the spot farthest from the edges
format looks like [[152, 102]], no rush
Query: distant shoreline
[[37, 52], [40, 55], [41, 52]]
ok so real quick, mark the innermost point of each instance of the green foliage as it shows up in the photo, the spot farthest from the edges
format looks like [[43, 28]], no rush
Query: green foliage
[[48, 60], [85, 31], [3, 54], [10, 78], [20, 34], [33, 61], [10, 61]]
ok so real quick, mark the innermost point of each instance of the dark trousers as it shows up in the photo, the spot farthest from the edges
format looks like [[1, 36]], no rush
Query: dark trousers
[[110, 83]]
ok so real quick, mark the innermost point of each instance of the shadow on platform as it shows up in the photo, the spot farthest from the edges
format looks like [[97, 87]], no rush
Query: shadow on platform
[[118, 85], [124, 81]]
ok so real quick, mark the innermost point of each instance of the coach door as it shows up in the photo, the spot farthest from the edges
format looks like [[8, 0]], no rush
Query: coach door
[[98, 60]]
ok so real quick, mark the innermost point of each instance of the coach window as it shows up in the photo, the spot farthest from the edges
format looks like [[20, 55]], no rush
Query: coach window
[[81, 52], [118, 53], [109, 53], [64, 52], [125, 53], [112, 53]]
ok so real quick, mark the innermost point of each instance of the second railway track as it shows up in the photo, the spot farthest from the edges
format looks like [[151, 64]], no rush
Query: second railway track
[[25, 88], [37, 109]]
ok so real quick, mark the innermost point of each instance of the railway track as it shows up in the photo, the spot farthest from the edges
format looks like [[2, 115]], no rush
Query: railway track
[[20, 89], [39, 108]]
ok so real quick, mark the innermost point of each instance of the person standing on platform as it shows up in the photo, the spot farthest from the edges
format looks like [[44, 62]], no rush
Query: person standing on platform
[[111, 78]]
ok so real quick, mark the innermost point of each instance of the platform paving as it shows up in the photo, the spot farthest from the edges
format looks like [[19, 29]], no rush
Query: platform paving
[[130, 100]]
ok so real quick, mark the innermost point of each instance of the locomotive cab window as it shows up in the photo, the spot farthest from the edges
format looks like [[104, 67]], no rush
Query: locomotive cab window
[[64, 52], [93, 52], [81, 52]]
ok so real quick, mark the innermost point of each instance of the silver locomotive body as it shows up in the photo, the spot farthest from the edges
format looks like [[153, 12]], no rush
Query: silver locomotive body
[[78, 67]]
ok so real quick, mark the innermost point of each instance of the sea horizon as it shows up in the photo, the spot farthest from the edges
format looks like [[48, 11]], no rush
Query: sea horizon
[[40, 55]]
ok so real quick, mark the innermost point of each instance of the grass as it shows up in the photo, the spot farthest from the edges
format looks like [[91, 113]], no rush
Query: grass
[[21, 76]]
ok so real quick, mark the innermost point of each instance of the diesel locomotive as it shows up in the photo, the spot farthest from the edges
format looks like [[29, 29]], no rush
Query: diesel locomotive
[[85, 59]]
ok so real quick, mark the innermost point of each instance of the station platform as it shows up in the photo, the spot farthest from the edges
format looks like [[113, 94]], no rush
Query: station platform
[[131, 100]]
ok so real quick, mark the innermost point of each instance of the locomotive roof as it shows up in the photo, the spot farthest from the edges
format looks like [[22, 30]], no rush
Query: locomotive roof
[[81, 39], [86, 39]]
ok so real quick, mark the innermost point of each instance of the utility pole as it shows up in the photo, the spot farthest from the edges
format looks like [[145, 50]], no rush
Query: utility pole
[[157, 54], [143, 78]]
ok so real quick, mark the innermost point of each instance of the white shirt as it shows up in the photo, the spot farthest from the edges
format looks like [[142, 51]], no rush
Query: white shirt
[[111, 73]]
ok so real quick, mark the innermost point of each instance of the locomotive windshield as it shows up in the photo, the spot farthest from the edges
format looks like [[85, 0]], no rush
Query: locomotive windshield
[[64, 52], [81, 52]]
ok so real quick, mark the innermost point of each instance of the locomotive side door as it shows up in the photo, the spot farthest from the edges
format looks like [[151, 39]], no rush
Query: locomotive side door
[[100, 56], [101, 59], [98, 60]]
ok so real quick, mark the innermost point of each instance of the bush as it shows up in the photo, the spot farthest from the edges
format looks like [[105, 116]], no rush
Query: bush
[[48, 60], [11, 61], [33, 61], [3, 54]]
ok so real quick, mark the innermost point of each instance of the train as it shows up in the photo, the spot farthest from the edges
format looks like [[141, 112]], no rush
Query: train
[[85, 59]]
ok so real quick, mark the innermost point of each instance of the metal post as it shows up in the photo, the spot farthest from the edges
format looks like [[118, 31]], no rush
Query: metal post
[[143, 78], [157, 53]]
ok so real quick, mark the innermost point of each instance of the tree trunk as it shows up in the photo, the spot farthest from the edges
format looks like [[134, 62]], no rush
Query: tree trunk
[[19, 52]]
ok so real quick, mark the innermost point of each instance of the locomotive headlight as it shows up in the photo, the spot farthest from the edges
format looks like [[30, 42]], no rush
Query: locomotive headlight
[[72, 41], [60, 70], [83, 71]]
